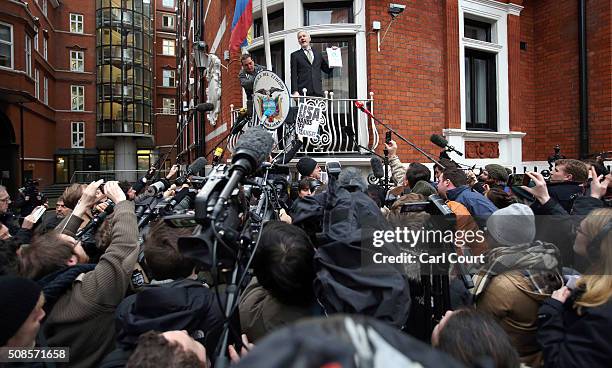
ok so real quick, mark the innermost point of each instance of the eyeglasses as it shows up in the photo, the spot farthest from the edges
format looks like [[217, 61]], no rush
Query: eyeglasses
[[5, 199]]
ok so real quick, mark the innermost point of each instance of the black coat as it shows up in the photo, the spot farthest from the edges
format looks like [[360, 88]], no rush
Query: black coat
[[306, 75], [570, 340]]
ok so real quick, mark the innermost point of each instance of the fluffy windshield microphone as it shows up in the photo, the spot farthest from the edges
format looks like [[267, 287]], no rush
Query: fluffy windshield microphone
[[195, 167], [377, 167], [252, 148]]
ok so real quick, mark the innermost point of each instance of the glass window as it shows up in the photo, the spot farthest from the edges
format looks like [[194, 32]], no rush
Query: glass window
[[46, 91], [36, 84], [168, 106], [44, 7], [36, 41], [477, 30], [168, 21], [77, 94], [168, 3], [277, 53], [168, 80], [328, 13], [77, 63], [276, 22], [481, 92], [78, 134], [168, 47], [76, 23], [6, 45], [45, 47], [28, 55]]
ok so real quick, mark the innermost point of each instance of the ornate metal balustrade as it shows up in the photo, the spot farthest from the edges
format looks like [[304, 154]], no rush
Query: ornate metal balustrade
[[342, 130]]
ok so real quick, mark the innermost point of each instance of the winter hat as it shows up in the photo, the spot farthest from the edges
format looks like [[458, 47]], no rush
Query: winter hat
[[424, 188], [513, 225], [306, 166], [18, 297], [497, 172]]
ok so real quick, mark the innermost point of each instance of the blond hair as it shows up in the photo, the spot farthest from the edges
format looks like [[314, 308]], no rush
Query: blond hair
[[597, 285]]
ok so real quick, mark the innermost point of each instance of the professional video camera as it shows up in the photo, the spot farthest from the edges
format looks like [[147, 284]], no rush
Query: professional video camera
[[29, 197]]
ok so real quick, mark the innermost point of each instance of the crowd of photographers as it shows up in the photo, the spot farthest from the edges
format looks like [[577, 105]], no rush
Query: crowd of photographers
[[103, 274]]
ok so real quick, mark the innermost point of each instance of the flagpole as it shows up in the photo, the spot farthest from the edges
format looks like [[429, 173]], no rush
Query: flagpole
[[266, 34]]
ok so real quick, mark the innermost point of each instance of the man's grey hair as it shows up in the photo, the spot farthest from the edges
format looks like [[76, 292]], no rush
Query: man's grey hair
[[3, 189], [302, 31]]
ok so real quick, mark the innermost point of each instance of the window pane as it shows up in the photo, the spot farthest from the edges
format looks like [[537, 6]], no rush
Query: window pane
[[468, 90], [315, 17], [477, 30], [5, 55], [5, 33], [480, 75]]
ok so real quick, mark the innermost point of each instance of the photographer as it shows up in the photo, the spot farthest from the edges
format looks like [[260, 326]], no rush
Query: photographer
[[29, 198], [81, 298], [6, 216]]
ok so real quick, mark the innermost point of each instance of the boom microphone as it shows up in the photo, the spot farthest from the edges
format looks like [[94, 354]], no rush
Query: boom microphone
[[203, 107], [439, 141], [377, 167], [360, 105], [196, 166], [252, 148]]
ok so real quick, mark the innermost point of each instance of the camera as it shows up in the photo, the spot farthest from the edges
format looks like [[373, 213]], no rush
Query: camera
[[396, 9]]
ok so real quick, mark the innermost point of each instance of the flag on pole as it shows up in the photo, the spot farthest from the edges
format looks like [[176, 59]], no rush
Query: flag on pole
[[242, 25]]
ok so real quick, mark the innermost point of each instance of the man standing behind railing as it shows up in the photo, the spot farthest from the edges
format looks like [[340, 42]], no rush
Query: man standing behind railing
[[247, 78], [306, 66]]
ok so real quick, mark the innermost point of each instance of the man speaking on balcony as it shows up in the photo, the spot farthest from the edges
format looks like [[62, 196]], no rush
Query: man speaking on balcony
[[306, 66]]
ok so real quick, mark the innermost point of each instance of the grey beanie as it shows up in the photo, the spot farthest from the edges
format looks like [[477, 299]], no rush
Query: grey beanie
[[513, 225]]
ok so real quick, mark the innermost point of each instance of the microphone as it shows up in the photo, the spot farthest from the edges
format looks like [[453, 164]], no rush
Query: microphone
[[360, 105], [244, 120], [178, 198], [377, 167], [439, 141], [289, 155], [97, 219], [203, 107], [252, 148], [195, 167]]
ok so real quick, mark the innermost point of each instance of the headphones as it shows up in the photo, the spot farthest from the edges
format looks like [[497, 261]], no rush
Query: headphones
[[594, 246]]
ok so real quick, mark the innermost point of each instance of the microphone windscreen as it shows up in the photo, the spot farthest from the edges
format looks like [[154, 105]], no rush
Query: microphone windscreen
[[377, 167], [197, 165], [438, 140], [204, 107], [351, 177], [255, 145]]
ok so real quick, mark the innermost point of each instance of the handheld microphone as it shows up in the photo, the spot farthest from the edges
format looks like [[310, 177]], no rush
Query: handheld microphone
[[377, 167], [217, 156], [97, 219], [239, 125], [361, 106], [203, 107], [195, 167], [439, 141], [252, 148]]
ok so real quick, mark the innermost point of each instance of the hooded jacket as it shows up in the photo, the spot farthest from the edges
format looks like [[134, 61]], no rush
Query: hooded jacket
[[176, 305], [479, 206]]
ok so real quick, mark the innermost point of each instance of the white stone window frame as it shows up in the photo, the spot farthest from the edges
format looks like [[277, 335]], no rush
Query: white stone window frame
[[172, 22], [76, 23], [171, 44], [167, 76], [77, 131], [11, 43], [45, 47], [46, 90], [510, 143], [77, 58], [37, 84], [168, 106], [77, 98], [28, 55]]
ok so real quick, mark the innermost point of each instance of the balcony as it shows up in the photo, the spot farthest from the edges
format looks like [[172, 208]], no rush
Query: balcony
[[342, 130]]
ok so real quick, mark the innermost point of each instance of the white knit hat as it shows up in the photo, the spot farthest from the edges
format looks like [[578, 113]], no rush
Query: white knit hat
[[513, 225]]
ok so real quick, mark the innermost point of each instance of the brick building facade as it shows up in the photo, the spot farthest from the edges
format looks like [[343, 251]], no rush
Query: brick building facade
[[499, 79], [52, 110]]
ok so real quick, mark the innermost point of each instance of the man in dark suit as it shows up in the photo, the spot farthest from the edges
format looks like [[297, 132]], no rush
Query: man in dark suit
[[306, 66]]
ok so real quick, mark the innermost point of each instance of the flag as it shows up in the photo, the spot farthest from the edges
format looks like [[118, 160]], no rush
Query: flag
[[242, 25]]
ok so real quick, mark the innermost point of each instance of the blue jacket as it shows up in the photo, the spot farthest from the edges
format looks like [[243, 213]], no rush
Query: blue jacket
[[479, 206]]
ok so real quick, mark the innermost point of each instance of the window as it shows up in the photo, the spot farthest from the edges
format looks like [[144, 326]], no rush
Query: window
[[76, 23], [168, 78], [78, 134], [36, 41], [328, 13], [169, 106], [168, 21], [477, 30], [77, 94], [28, 55], [45, 46], [168, 4], [44, 7], [77, 64], [6, 45], [168, 47], [480, 90], [46, 91], [36, 84], [276, 22], [277, 54]]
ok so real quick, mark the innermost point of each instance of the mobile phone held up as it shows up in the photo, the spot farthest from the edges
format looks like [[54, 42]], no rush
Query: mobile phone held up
[[516, 180], [388, 136]]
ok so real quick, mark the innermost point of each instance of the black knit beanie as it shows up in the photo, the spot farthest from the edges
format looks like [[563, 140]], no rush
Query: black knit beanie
[[306, 166], [18, 298]]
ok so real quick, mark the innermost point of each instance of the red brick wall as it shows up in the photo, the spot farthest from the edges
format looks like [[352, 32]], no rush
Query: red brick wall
[[408, 75], [527, 99]]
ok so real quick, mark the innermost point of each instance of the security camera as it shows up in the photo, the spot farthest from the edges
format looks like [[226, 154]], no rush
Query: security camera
[[396, 9]]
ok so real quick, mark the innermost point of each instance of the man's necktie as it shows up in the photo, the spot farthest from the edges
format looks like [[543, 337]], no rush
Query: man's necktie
[[309, 55]]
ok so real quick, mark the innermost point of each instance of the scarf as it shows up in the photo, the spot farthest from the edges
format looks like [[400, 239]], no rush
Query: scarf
[[55, 284]]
